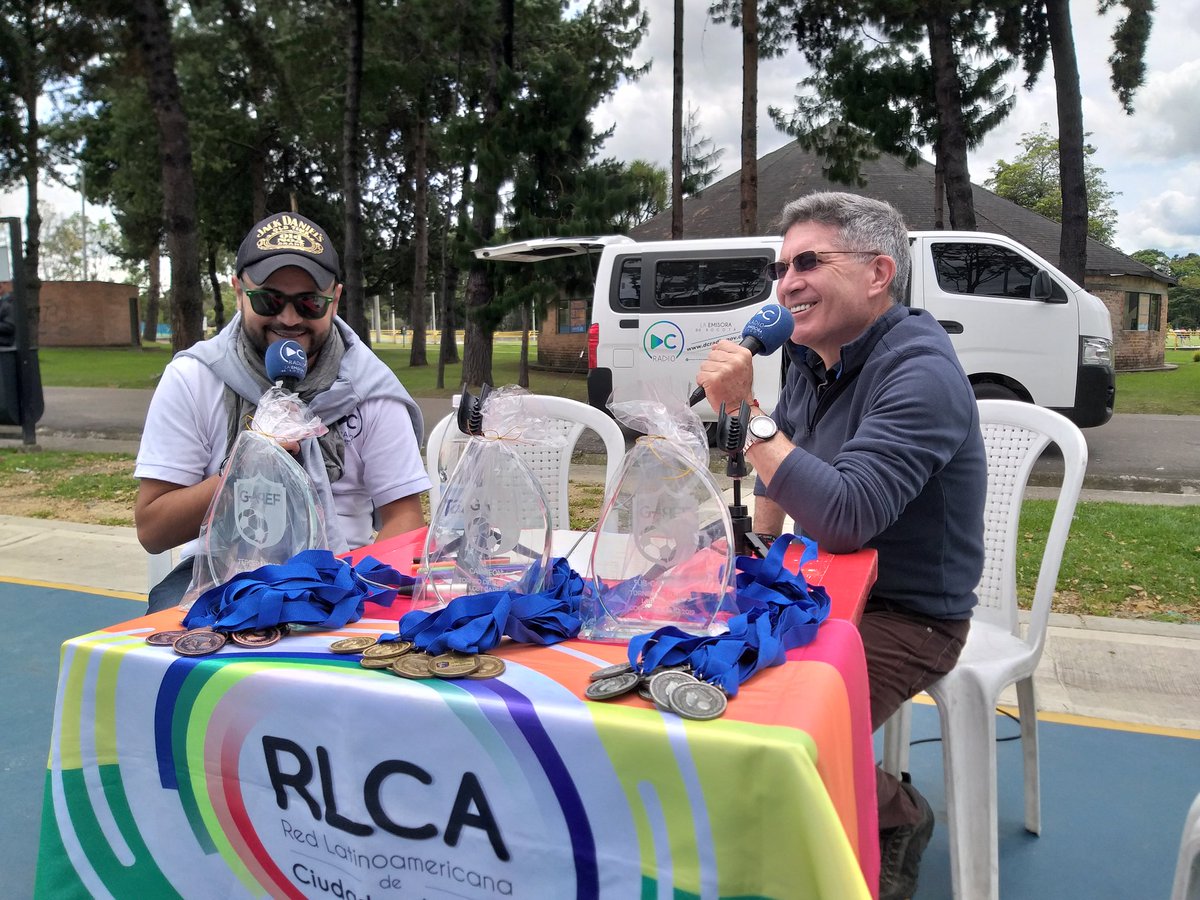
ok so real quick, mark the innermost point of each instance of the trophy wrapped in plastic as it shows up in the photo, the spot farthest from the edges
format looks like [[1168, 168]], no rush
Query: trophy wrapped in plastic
[[664, 549], [266, 509], [492, 528]]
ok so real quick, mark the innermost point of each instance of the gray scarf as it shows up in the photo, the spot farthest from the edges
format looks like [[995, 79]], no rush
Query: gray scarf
[[360, 375], [318, 379]]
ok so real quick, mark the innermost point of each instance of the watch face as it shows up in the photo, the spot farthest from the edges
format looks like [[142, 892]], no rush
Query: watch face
[[762, 427]]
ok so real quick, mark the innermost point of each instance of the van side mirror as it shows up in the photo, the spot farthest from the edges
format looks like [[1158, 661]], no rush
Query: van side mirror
[[1043, 288]]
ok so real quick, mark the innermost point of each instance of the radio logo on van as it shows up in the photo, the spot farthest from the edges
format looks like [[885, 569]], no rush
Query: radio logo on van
[[663, 341]]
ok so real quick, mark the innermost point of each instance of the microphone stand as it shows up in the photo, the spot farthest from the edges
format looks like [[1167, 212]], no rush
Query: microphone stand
[[731, 440]]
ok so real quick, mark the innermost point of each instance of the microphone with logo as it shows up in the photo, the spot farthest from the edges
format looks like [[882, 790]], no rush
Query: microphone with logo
[[287, 364], [767, 331]]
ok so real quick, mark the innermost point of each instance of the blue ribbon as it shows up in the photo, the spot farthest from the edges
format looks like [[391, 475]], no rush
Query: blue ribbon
[[314, 587], [779, 611], [475, 623]]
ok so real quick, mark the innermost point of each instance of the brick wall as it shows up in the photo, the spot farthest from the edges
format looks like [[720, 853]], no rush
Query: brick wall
[[560, 351], [83, 313], [1132, 349]]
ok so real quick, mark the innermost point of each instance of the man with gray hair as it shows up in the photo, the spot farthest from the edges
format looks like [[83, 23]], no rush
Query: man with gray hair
[[875, 442]]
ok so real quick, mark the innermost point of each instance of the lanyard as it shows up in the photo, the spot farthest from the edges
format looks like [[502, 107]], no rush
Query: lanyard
[[314, 587], [780, 610]]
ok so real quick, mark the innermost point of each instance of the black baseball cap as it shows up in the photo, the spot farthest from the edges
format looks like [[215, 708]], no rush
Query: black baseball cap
[[288, 239]]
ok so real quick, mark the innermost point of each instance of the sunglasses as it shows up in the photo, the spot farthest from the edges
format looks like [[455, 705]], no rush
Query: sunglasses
[[269, 302], [809, 260]]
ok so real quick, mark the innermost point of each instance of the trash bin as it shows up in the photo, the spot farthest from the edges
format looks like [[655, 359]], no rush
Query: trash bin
[[10, 389]]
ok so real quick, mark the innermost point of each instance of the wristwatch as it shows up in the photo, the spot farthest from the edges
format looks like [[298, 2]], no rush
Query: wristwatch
[[759, 428]]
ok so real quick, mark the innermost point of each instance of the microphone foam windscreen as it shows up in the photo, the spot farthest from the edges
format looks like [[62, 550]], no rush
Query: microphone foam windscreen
[[286, 359], [771, 326]]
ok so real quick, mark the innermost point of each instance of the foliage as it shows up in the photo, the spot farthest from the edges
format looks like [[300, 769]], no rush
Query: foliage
[[894, 77], [1031, 180], [63, 246], [701, 157]]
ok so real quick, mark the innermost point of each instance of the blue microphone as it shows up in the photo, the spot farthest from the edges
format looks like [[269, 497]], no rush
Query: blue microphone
[[767, 331], [287, 363]]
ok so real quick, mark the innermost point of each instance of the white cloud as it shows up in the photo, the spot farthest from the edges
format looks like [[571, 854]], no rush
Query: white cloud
[[1169, 220], [1168, 114]]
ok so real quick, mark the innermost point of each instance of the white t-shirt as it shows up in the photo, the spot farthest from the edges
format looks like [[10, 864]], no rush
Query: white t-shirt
[[186, 430]]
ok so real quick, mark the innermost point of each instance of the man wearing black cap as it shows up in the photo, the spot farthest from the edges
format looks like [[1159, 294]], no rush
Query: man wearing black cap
[[368, 465]]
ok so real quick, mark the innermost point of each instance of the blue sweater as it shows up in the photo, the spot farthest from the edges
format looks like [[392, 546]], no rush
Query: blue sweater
[[890, 456]]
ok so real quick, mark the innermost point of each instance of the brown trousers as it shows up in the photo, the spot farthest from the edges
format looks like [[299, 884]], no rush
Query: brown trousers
[[906, 652]]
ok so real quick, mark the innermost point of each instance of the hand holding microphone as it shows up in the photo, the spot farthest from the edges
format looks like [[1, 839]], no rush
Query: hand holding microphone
[[767, 331], [287, 364]]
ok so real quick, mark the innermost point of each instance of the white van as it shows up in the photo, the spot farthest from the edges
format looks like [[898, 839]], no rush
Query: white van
[[1022, 329]]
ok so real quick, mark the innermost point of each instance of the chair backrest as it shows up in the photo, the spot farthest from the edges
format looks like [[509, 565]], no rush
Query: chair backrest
[[1187, 869], [159, 566], [1015, 434], [551, 465]]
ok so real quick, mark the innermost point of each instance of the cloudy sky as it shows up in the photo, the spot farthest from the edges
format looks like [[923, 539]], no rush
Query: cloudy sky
[[1152, 158]]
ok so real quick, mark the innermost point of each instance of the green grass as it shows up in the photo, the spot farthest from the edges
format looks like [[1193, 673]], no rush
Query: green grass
[[125, 367], [114, 367], [1120, 559], [1174, 393]]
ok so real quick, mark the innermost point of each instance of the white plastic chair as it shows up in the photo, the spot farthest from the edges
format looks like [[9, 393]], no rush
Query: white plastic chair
[[551, 465], [1187, 871], [995, 654], [159, 566]]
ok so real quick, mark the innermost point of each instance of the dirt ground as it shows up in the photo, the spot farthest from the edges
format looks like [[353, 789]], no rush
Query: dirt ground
[[72, 494]]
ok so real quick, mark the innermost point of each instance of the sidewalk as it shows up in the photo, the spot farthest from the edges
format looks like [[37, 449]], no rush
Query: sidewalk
[[1122, 670]]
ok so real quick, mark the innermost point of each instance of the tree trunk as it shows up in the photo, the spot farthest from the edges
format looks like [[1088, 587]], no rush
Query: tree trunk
[[947, 91], [417, 355], [353, 305], [523, 365], [749, 182], [152, 25], [677, 128], [1072, 240], [477, 345], [448, 350], [153, 296], [215, 283]]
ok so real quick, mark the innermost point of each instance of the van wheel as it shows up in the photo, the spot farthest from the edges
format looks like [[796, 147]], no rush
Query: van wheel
[[989, 390]]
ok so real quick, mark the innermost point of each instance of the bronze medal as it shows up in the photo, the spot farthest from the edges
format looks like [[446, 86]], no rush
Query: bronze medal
[[198, 643]]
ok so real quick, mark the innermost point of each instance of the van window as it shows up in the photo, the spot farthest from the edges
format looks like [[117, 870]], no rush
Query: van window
[[709, 282], [985, 270], [629, 283], [700, 282]]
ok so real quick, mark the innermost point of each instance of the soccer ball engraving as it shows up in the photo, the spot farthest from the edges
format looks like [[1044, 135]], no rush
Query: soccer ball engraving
[[253, 527]]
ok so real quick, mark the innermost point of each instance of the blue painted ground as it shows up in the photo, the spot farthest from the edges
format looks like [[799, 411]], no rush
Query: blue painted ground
[[36, 622], [1113, 802], [1113, 807]]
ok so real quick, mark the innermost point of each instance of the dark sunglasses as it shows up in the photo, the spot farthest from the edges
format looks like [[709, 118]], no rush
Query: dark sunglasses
[[809, 260], [269, 302]]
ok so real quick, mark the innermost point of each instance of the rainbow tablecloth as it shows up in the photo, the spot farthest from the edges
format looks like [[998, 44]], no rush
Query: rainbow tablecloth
[[290, 772]]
